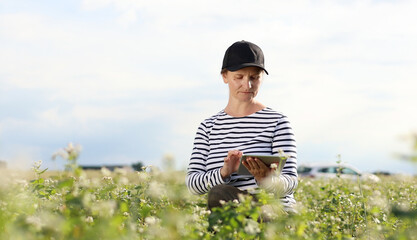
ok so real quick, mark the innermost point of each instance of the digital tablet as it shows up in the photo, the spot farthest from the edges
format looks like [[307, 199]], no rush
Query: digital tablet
[[267, 159]]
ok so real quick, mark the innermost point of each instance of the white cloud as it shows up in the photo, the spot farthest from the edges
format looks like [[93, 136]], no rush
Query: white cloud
[[79, 64], [22, 27], [367, 108], [343, 72]]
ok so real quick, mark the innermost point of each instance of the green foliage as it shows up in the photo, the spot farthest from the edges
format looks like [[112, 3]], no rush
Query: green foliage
[[157, 205], [237, 219], [138, 166]]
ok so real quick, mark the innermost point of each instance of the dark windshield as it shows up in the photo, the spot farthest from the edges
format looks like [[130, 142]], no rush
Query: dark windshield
[[302, 169]]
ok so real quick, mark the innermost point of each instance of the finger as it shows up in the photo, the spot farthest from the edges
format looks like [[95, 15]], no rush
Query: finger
[[252, 163], [234, 154], [247, 160], [257, 163], [262, 164], [245, 163]]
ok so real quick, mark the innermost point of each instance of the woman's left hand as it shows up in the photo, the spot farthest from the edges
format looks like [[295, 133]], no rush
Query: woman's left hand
[[258, 169]]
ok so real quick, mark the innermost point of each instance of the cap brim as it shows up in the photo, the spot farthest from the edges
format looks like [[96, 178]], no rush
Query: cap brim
[[243, 65]]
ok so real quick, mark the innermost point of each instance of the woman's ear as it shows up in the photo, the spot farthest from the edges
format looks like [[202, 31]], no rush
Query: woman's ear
[[224, 75]]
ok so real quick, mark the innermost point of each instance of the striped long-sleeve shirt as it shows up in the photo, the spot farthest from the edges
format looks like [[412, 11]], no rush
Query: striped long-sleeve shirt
[[263, 132]]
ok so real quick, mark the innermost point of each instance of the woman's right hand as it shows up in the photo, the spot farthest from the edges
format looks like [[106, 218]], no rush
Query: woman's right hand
[[231, 163]]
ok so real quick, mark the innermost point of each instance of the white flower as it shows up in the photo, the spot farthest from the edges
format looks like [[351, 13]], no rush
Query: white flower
[[71, 149], [282, 153], [89, 219], [216, 228], [156, 189], [143, 176], [37, 164], [49, 181], [205, 212], [60, 153], [151, 220], [67, 152], [22, 182], [121, 171], [222, 202], [34, 221], [107, 178], [104, 208], [124, 180], [195, 217], [105, 171], [252, 227], [274, 166]]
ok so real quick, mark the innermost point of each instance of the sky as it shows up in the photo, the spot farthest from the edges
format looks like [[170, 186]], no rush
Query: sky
[[130, 81]]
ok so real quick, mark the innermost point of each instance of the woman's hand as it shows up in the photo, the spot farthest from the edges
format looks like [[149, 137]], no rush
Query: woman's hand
[[258, 169], [231, 163]]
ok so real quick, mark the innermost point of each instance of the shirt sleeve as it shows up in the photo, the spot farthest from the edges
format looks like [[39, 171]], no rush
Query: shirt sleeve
[[283, 139], [199, 180]]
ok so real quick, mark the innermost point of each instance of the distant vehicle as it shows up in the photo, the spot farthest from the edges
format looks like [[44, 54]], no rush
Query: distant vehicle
[[382, 173], [331, 170]]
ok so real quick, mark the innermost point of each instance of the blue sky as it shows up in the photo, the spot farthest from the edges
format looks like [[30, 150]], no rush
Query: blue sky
[[131, 80]]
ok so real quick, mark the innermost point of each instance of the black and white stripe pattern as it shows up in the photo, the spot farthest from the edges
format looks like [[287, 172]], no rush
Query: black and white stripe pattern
[[264, 132]]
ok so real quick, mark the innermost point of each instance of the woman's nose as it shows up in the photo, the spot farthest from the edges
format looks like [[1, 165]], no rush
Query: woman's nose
[[248, 83]]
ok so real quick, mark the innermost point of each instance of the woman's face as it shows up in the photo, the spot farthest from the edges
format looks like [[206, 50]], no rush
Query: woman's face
[[244, 83]]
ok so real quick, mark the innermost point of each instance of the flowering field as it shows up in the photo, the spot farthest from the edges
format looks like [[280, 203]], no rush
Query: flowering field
[[150, 204], [157, 205]]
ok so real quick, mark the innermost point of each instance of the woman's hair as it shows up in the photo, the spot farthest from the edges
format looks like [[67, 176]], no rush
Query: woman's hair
[[224, 70]]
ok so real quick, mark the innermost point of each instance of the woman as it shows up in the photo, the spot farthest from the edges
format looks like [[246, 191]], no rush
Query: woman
[[245, 126]]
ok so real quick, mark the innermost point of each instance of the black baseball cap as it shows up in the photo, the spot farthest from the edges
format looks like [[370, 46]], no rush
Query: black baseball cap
[[243, 54]]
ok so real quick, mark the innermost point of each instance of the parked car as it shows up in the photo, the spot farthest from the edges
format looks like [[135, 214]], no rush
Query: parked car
[[331, 170]]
